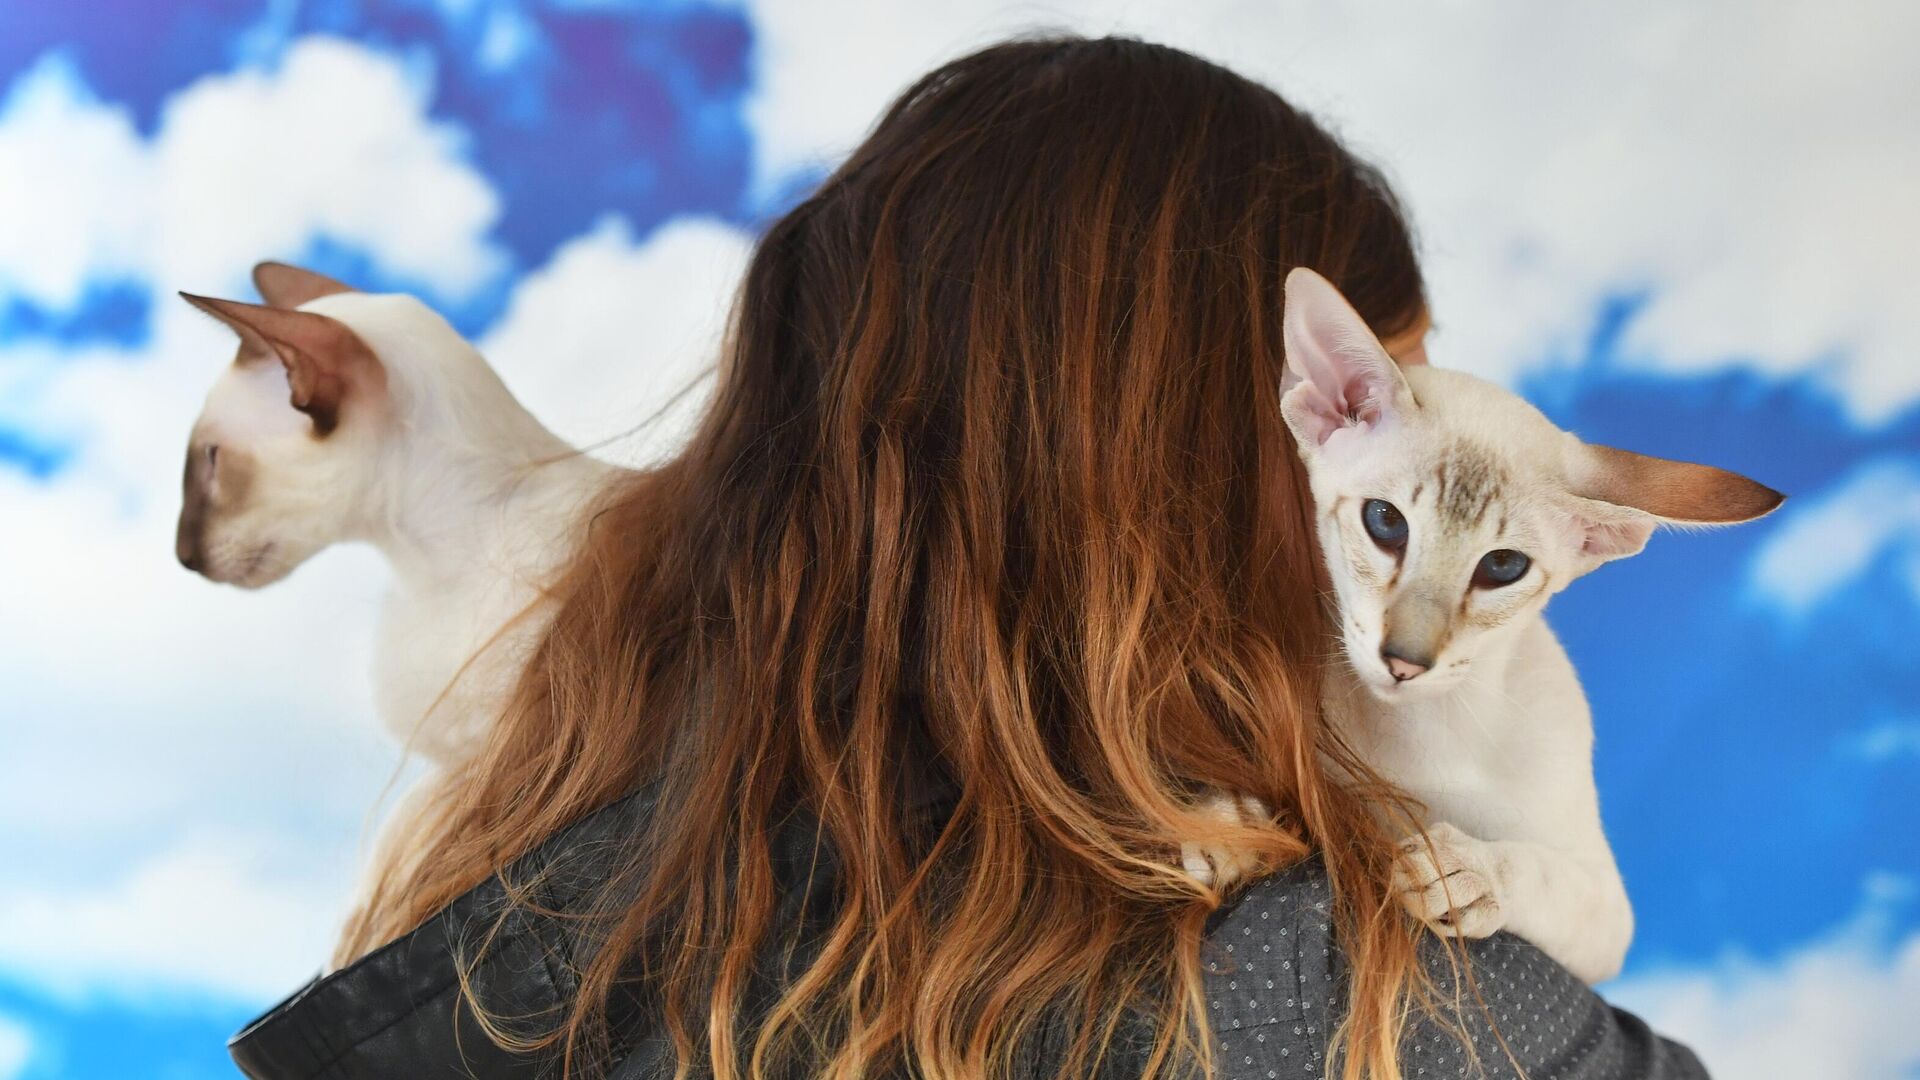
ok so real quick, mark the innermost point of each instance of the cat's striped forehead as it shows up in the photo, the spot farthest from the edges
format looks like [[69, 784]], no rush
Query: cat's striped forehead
[[1464, 483]]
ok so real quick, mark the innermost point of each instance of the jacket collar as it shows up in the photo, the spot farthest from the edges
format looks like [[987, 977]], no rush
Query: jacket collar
[[399, 1010]]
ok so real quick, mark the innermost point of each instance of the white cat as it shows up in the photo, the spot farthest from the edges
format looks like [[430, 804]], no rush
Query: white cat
[[1449, 510], [348, 416]]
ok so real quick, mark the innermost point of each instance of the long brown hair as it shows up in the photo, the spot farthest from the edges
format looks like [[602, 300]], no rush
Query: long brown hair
[[994, 479]]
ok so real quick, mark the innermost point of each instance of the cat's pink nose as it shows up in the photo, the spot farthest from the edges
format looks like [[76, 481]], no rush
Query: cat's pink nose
[[1403, 668]]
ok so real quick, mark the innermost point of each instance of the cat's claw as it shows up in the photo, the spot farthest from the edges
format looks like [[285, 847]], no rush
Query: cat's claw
[[1448, 885]]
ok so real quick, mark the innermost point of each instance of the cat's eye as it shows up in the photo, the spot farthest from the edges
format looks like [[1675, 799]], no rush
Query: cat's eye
[[1502, 567], [1385, 524]]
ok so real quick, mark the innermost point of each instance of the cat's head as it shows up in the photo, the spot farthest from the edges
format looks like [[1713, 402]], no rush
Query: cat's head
[[281, 451], [1450, 510]]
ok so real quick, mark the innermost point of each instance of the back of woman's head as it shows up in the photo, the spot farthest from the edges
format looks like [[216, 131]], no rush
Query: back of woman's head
[[994, 487]]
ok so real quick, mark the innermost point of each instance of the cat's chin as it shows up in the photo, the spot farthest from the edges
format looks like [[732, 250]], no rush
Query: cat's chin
[[257, 568]]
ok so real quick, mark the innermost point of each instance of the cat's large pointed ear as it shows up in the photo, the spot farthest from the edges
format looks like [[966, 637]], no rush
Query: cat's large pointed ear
[[326, 362], [285, 286], [1338, 375], [1620, 497]]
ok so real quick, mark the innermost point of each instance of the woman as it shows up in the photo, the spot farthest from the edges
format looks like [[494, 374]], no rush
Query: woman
[[870, 726]]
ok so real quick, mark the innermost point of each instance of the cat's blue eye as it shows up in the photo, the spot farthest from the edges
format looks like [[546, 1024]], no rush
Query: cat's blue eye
[[1385, 524], [1499, 568]]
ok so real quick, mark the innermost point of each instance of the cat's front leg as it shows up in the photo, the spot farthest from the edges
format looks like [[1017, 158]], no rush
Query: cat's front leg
[[1572, 909], [1571, 903]]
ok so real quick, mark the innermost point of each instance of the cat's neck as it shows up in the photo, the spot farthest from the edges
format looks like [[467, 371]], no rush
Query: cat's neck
[[482, 486], [450, 517]]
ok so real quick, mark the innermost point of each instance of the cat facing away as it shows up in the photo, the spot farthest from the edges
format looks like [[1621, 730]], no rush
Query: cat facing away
[[1449, 511], [348, 416]]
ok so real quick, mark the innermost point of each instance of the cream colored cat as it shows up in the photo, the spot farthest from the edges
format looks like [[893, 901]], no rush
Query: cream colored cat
[[1449, 512], [348, 416]]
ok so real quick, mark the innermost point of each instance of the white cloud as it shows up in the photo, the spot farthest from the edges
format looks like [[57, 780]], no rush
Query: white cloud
[[606, 333], [814, 95], [71, 172], [228, 913], [335, 141], [16, 1046], [1750, 163], [1830, 540], [1839, 1007]]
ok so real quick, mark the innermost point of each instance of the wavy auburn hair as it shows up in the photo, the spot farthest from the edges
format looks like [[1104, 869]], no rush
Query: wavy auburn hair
[[994, 479]]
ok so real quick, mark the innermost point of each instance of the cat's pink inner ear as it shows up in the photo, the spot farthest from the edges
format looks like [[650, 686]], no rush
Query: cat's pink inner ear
[[326, 362], [1338, 375], [1599, 532], [285, 286], [1676, 491], [1615, 537]]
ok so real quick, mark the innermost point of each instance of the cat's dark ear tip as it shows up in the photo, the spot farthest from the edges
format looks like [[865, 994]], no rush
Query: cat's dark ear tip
[[1750, 501], [224, 310]]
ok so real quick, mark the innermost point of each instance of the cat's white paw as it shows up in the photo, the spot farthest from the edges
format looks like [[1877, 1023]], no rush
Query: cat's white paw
[[1197, 862], [1450, 885], [1221, 865]]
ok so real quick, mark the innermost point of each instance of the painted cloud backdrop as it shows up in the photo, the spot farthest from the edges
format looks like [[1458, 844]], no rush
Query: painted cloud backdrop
[[1687, 229]]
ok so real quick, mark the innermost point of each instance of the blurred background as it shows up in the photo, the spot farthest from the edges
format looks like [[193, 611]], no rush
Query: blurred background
[[1689, 230]]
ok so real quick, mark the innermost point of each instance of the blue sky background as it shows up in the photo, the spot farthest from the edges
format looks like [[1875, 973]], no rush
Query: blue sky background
[[1683, 232]]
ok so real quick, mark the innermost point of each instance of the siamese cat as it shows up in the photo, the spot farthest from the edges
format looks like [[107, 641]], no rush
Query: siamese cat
[[347, 416], [1448, 512]]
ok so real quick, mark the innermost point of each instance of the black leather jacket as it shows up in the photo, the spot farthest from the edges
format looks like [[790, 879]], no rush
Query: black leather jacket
[[1275, 983]]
